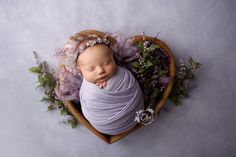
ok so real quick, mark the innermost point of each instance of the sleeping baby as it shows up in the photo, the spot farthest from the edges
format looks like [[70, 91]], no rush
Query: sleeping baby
[[109, 94]]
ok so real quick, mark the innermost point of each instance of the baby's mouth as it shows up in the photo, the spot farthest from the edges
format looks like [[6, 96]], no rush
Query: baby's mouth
[[101, 79]]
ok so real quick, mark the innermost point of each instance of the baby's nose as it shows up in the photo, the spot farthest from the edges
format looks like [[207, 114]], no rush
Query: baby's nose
[[100, 70]]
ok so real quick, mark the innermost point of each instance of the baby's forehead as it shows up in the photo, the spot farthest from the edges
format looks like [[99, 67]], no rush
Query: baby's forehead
[[99, 48], [95, 53]]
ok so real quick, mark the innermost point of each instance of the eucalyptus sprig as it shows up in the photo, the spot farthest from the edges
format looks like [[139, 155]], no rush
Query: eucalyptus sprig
[[48, 82], [184, 72]]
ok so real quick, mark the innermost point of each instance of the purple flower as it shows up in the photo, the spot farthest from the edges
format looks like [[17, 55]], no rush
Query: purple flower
[[68, 86], [164, 79]]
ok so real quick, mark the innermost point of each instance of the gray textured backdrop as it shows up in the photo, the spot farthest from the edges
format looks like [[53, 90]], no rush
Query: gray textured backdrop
[[203, 126]]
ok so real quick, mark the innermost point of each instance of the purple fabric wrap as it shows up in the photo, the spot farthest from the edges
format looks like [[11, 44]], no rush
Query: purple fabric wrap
[[112, 110]]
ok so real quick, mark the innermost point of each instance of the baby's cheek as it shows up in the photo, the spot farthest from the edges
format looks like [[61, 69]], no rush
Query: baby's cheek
[[110, 69], [90, 77], [114, 68]]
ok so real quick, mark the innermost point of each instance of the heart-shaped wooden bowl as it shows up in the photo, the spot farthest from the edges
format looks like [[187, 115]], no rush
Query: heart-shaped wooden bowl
[[76, 111]]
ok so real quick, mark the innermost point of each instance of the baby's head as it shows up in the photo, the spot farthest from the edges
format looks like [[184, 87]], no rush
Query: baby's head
[[89, 53], [96, 62]]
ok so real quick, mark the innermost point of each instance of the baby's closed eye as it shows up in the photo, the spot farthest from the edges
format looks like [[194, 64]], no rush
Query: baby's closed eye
[[90, 69]]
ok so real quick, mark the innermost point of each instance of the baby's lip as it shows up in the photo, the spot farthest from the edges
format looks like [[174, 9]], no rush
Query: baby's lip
[[102, 78]]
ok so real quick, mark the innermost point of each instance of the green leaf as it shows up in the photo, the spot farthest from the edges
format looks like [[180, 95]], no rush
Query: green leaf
[[155, 93], [34, 70], [41, 65], [64, 111], [135, 64], [145, 54], [185, 93], [198, 65], [175, 100], [152, 47], [141, 70], [46, 99], [41, 81], [51, 107], [73, 122], [191, 61], [49, 80], [141, 46], [190, 76], [149, 64], [59, 103], [194, 64]]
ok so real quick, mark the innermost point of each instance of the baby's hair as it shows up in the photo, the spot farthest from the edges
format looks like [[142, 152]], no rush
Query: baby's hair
[[92, 34]]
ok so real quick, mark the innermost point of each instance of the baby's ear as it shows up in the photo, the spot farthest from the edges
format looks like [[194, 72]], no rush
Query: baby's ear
[[78, 67]]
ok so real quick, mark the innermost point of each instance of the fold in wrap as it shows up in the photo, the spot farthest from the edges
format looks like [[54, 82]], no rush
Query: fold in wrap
[[112, 110]]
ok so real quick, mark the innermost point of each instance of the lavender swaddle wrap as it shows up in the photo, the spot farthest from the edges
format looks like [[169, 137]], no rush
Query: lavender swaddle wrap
[[112, 110]]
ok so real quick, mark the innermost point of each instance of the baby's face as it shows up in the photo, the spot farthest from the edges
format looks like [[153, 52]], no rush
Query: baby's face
[[97, 64]]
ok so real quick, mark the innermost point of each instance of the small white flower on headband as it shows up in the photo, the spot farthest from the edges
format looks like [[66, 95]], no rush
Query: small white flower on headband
[[92, 43]]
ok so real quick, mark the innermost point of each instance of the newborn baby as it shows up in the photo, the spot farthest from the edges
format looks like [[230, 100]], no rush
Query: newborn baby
[[109, 95]]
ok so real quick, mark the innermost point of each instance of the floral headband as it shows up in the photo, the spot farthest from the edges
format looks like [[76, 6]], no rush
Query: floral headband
[[91, 43], [75, 46]]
